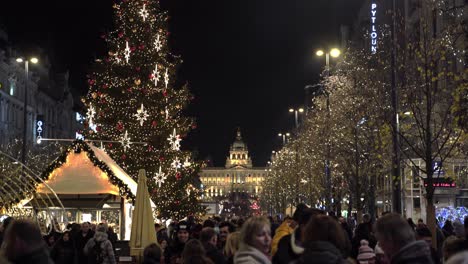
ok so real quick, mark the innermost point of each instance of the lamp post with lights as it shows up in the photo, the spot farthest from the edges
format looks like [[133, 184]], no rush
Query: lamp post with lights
[[25, 103], [296, 113], [334, 53], [284, 136]]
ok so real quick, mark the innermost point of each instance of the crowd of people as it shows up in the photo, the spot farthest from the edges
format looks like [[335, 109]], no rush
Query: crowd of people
[[22, 243], [309, 236]]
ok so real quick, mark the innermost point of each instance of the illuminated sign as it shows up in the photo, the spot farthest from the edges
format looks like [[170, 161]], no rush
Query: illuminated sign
[[442, 182], [373, 31], [39, 130]]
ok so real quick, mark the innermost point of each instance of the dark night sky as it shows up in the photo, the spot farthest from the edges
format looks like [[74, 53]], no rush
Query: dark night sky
[[246, 61]]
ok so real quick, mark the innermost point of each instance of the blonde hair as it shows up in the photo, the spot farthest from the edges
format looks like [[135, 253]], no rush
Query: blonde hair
[[251, 227], [232, 244]]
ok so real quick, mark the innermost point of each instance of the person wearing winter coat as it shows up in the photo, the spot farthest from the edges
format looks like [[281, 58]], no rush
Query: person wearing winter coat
[[194, 253], [24, 244], [324, 242], [64, 251], [209, 239], [152, 254], [105, 246], [286, 228], [173, 252], [290, 247], [81, 238], [255, 242], [398, 241]]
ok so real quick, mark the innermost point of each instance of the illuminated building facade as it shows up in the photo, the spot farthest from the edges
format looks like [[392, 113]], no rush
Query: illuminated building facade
[[232, 189]]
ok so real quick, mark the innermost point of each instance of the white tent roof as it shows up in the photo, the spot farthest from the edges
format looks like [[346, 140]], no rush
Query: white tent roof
[[78, 175]]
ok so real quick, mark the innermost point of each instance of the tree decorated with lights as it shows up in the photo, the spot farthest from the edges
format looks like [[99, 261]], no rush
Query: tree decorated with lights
[[134, 107]]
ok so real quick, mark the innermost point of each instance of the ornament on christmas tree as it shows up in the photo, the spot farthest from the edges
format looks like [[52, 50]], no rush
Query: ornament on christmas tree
[[174, 140], [158, 43], [141, 115], [125, 140], [116, 55], [176, 164], [137, 81], [178, 176], [160, 177], [144, 13], [167, 113], [187, 163], [127, 51], [166, 78], [90, 115], [155, 75], [120, 126]]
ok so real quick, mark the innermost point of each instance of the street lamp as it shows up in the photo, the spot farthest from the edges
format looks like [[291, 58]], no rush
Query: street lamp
[[296, 111], [284, 135], [334, 52], [25, 102]]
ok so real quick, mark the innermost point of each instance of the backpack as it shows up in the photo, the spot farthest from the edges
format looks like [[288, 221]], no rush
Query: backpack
[[96, 254]]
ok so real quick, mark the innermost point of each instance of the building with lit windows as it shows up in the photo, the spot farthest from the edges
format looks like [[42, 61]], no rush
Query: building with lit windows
[[233, 189], [49, 99]]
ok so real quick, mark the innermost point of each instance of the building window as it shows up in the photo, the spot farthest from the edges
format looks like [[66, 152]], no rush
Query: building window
[[416, 203]]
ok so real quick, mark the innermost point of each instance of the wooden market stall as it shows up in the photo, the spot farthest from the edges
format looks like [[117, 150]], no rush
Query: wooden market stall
[[91, 187]]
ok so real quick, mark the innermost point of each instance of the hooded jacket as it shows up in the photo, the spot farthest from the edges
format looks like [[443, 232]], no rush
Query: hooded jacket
[[283, 230], [288, 249], [106, 247], [416, 252], [250, 255]]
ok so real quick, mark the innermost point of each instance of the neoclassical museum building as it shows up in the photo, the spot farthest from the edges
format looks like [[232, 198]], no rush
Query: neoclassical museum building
[[234, 188]]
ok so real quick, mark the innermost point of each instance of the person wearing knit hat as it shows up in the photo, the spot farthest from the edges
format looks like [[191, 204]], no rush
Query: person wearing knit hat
[[366, 253], [173, 252]]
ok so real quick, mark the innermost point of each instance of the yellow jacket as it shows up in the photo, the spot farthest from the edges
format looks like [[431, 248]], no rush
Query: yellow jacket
[[283, 230]]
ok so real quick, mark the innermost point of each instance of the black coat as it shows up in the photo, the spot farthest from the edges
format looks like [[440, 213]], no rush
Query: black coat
[[39, 256], [321, 252], [173, 251], [417, 252], [288, 249], [214, 254], [80, 242], [64, 253]]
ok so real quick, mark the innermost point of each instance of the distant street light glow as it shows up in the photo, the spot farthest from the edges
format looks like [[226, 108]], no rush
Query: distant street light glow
[[34, 60], [319, 53], [335, 53]]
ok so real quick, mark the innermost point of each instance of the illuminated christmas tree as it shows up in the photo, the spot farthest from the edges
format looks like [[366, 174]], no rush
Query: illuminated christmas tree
[[134, 107]]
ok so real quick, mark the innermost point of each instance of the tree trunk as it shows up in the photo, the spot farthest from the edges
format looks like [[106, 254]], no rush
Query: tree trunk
[[359, 216], [431, 220], [350, 205], [372, 209]]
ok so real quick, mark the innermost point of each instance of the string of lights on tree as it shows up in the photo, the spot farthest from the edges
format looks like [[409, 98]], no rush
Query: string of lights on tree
[[133, 97]]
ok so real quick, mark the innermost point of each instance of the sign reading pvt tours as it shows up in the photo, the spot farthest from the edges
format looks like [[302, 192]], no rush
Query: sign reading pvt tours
[[39, 128], [373, 31]]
